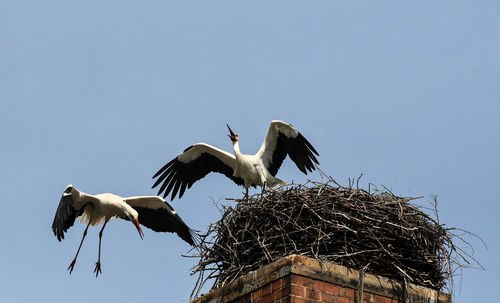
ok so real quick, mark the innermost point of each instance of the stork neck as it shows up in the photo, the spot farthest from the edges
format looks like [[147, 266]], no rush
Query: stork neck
[[126, 209], [236, 148]]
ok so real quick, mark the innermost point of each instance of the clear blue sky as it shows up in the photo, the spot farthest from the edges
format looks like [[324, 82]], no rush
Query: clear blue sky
[[102, 93]]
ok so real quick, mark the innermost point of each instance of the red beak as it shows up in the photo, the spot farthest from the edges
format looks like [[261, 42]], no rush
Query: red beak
[[136, 223]]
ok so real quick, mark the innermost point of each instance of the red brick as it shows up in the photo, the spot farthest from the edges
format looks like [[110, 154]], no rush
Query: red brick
[[286, 280], [297, 290], [326, 297], [285, 291], [348, 292], [285, 300], [257, 294], [303, 281], [276, 284], [367, 297], [320, 285], [269, 298], [333, 289], [312, 294], [342, 300], [266, 289], [381, 299], [297, 300], [356, 298]]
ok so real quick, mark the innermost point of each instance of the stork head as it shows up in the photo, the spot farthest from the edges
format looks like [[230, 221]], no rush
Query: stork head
[[232, 135]]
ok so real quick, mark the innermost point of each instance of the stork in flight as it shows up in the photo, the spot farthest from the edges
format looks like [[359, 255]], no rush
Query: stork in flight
[[153, 211], [249, 170]]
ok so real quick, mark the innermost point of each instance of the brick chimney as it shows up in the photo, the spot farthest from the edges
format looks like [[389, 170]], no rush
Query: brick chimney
[[299, 279]]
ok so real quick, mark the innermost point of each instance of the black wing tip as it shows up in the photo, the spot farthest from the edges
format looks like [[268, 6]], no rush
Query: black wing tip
[[58, 231], [158, 173], [167, 220], [166, 166], [177, 176], [189, 236], [311, 152], [65, 216], [58, 235], [163, 168], [194, 238], [307, 143], [179, 196]]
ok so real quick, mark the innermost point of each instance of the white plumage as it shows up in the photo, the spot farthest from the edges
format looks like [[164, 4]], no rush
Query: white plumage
[[249, 170], [153, 212]]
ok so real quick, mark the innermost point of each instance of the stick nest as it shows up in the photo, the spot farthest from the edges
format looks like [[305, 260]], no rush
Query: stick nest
[[377, 232]]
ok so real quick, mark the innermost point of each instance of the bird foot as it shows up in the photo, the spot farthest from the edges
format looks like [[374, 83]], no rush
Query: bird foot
[[71, 266], [97, 269]]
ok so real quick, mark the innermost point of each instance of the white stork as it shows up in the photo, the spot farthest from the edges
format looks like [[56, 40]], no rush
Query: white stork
[[249, 170], [153, 211]]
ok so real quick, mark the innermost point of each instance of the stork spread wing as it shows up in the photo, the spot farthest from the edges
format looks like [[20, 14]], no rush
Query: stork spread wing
[[283, 139], [193, 164], [158, 215], [65, 214]]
